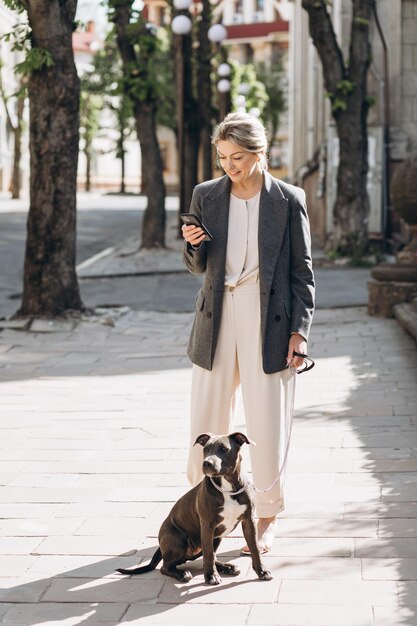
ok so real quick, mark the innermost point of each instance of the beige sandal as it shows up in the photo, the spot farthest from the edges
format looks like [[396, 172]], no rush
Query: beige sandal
[[262, 550]]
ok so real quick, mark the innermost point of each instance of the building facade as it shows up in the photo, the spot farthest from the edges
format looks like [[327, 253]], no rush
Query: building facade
[[313, 143], [8, 61]]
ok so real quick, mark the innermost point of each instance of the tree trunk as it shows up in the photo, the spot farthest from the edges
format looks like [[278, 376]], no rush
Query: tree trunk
[[204, 54], [87, 153], [17, 155], [191, 128], [153, 225], [50, 281], [346, 86], [123, 165]]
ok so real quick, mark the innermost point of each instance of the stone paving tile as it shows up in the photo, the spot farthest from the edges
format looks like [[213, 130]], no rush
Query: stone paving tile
[[15, 565], [389, 569], [18, 545], [395, 616], [22, 589], [123, 527], [327, 528], [38, 527], [185, 614], [304, 614], [245, 589], [4, 608], [70, 614], [108, 509], [48, 495], [313, 568], [312, 546], [29, 511], [349, 592], [381, 510], [76, 566], [407, 590], [383, 548], [108, 590], [88, 545], [397, 528]]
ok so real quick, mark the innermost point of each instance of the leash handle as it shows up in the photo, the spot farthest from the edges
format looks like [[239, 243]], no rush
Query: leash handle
[[307, 366]]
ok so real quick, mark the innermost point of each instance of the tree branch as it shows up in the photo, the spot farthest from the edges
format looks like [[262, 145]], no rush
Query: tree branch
[[5, 99], [121, 18], [324, 39], [359, 52]]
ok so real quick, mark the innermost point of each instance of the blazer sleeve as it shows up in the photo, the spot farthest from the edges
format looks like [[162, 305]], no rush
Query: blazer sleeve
[[301, 270], [195, 259]]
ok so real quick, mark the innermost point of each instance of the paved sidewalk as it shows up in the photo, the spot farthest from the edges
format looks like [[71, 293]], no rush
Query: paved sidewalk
[[92, 455]]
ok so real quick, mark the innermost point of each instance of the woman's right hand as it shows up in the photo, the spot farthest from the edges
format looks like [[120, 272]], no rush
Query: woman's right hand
[[193, 235]]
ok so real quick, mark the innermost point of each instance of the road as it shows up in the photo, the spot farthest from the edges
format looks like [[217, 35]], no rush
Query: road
[[105, 221], [102, 222]]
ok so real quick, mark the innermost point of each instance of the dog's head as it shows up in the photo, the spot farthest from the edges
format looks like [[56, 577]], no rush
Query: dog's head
[[221, 452]]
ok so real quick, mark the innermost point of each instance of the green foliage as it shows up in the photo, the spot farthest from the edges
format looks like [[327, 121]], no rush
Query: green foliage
[[90, 107], [103, 87], [370, 101], [142, 80], [339, 105], [361, 21], [273, 77], [256, 96], [345, 86], [14, 5], [34, 58]]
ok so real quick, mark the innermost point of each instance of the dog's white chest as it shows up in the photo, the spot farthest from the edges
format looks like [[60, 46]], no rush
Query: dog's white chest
[[232, 510]]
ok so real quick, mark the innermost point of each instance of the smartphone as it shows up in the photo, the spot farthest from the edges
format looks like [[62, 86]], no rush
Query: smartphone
[[190, 219]]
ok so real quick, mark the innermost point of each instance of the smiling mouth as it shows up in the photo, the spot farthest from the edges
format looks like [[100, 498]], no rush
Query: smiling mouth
[[234, 173]]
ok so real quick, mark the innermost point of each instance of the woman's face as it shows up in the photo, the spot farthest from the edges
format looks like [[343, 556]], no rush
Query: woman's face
[[238, 164]]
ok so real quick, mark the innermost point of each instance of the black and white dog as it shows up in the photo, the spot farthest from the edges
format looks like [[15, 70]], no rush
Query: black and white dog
[[208, 512]]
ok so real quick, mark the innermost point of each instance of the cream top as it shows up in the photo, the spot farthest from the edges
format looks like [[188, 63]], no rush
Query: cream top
[[242, 256]]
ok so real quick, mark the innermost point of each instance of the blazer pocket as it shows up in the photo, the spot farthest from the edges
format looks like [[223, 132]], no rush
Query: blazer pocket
[[288, 308], [199, 301]]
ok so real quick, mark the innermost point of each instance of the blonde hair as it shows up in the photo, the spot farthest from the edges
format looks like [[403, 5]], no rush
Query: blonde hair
[[246, 131]]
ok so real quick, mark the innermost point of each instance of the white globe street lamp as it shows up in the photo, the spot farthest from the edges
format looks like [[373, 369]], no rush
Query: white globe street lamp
[[217, 33], [254, 111], [181, 25], [182, 5], [224, 69], [223, 85], [240, 101], [244, 88]]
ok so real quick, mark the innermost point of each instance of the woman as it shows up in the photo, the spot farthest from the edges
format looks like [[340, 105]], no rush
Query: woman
[[254, 309]]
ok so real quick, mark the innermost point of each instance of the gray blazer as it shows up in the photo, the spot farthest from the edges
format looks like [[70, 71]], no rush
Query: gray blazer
[[285, 271]]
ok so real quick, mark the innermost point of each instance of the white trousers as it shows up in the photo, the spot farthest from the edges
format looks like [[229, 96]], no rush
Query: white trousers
[[238, 361]]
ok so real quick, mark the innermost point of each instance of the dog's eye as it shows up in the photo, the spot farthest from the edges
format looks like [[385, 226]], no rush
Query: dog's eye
[[223, 448]]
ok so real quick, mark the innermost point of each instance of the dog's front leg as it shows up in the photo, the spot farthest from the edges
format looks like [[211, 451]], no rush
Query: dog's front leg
[[249, 532], [211, 575]]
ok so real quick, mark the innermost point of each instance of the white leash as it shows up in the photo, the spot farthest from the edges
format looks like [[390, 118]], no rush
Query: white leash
[[290, 412]]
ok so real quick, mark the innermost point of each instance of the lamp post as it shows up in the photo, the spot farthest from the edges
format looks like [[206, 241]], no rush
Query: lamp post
[[181, 26], [218, 33]]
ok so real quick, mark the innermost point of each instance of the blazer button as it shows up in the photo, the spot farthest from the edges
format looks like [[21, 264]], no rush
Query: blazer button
[[272, 292], [277, 317], [209, 314]]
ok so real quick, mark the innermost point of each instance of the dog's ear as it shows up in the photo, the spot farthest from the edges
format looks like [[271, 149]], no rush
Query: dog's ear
[[202, 439], [240, 439]]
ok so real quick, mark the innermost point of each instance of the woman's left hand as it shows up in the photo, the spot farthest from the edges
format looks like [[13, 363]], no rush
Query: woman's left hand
[[297, 344]]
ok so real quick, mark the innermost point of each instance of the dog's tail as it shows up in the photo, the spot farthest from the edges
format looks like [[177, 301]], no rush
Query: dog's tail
[[157, 558]]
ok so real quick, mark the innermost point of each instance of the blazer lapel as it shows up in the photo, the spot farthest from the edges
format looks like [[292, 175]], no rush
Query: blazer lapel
[[215, 214], [273, 217]]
